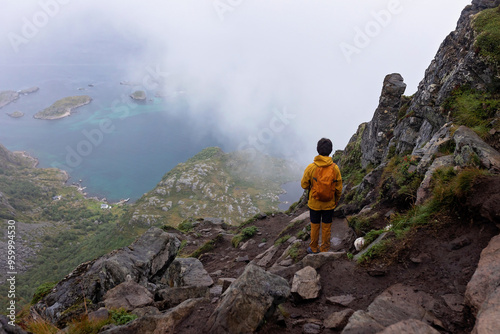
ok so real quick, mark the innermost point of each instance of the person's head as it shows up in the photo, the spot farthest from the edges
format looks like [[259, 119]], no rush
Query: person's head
[[324, 147]]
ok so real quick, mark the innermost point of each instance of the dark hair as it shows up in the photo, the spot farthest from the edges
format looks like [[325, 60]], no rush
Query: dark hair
[[324, 147]]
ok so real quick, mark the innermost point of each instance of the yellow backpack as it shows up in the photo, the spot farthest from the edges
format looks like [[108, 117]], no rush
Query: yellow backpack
[[323, 188]]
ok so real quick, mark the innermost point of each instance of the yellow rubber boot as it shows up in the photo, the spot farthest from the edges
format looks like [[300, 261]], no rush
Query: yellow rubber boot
[[314, 238], [326, 232]]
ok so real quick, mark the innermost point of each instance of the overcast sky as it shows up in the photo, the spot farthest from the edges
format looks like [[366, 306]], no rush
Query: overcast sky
[[286, 72]]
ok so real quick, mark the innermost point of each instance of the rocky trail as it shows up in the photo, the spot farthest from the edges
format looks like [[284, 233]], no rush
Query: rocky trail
[[437, 266], [269, 284]]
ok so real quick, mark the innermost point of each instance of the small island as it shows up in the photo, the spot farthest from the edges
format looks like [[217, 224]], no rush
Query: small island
[[138, 95], [7, 97], [28, 90], [16, 114], [63, 107]]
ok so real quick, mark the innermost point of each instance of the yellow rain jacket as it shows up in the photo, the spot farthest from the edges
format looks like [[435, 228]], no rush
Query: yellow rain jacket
[[306, 183]]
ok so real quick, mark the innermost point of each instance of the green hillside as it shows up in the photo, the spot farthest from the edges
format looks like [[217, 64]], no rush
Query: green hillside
[[233, 186]]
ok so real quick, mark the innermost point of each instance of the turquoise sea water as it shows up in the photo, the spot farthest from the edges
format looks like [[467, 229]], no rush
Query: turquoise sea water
[[117, 147]]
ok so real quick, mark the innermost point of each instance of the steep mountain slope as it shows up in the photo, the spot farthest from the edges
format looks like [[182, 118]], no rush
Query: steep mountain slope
[[58, 228]]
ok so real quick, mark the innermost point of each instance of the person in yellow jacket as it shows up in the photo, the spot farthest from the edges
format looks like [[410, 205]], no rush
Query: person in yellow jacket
[[321, 208]]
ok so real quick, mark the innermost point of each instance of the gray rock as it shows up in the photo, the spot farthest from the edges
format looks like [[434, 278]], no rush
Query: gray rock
[[311, 328], [343, 300], [486, 277], [424, 191], [187, 272], [338, 320], [225, 282], [318, 260], [360, 322], [245, 305], [145, 311], [174, 296], [411, 326], [145, 260], [242, 259], [266, 257], [128, 295], [395, 304], [306, 284], [429, 151], [470, 147], [302, 217], [488, 318], [454, 302], [162, 323], [216, 291], [100, 314], [379, 130]]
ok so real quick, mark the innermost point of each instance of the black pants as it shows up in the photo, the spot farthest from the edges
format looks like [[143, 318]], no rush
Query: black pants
[[325, 216]]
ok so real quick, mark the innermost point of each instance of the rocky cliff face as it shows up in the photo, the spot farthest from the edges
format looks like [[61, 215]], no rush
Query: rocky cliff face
[[380, 129], [456, 64]]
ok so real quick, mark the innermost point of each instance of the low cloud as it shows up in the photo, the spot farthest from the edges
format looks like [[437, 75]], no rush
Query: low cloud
[[239, 63]]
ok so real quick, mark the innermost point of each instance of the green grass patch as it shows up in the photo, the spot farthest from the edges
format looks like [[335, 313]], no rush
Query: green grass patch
[[186, 226], [282, 240], [42, 291], [487, 26], [378, 250], [294, 251], [244, 235], [450, 191], [122, 316], [372, 236], [472, 108], [207, 247]]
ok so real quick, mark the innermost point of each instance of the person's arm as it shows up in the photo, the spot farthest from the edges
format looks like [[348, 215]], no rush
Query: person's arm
[[305, 183], [338, 186]]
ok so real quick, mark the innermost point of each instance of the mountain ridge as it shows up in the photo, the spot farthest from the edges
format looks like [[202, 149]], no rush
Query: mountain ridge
[[422, 193]]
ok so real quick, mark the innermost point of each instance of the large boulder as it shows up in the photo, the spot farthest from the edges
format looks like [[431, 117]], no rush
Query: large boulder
[[187, 272], [411, 326], [486, 277], [144, 261], [129, 296], [472, 150], [424, 191], [395, 304], [158, 324], [488, 318], [247, 302], [171, 297]]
